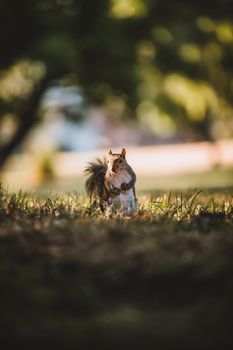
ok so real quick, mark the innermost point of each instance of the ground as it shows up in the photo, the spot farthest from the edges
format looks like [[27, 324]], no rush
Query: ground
[[75, 279]]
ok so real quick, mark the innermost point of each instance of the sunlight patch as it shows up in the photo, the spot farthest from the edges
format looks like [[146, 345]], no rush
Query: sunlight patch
[[128, 8]]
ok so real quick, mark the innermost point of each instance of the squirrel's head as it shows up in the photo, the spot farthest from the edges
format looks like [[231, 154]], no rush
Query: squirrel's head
[[116, 161]]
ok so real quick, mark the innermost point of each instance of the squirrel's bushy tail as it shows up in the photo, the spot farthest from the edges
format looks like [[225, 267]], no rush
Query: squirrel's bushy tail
[[95, 171]]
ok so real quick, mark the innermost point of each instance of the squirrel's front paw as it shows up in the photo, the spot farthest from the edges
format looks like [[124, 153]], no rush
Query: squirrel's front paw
[[124, 187], [115, 190]]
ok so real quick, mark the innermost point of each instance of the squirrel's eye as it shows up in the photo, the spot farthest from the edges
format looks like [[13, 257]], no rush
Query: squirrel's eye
[[121, 160]]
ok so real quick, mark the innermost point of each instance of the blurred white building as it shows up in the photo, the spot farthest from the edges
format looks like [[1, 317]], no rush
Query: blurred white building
[[69, 125]]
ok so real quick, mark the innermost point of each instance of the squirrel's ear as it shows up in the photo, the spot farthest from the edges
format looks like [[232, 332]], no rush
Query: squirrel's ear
[[123, 152], [110, 152]]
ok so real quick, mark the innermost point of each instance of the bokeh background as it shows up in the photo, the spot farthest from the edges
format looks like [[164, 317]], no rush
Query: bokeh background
[[80, 76]]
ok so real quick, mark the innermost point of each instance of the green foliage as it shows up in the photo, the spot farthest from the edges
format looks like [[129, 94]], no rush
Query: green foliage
[[126, 47]]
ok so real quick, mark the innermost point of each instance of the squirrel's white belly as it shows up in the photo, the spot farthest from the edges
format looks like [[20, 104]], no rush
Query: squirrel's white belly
[[125, 199]]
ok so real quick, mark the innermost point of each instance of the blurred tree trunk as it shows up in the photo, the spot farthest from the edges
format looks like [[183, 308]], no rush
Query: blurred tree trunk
[[204, 127], [27, 121]]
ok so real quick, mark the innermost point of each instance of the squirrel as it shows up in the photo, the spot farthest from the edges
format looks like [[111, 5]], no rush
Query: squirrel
[[113, 181]]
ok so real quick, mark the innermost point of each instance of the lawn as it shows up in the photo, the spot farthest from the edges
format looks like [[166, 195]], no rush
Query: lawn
[[221, 177], [74, 278]]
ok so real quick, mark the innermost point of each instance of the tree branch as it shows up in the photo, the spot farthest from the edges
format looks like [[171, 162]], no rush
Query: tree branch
[[28, 119]]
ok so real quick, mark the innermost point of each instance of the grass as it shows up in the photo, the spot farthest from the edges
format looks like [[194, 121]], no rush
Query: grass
[[74, 278]]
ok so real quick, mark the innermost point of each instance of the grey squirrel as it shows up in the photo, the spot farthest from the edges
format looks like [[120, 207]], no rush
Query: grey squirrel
[[113, 181]]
